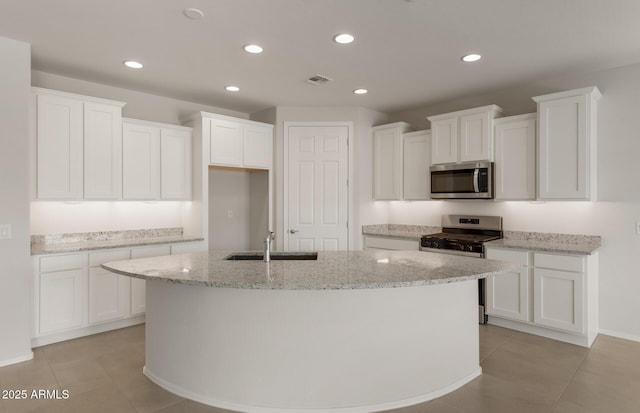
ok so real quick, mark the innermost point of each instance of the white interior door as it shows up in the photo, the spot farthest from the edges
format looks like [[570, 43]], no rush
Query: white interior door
[[317, 195]]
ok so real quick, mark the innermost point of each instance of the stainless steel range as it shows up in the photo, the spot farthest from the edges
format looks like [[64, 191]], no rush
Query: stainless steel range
[[465, 235]]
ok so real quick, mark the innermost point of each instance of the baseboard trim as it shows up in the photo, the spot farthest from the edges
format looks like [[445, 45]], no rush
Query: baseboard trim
[[618, 334], [26, 357], [396, 404], [86, 331]]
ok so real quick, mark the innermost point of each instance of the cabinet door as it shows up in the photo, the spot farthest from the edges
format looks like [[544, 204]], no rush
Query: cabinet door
[[141, 161], [138, 286], [59, 147], [108, 292], [61, 300], [515, 169], [225, 143], [102, 151], [563, 148], [387, 165], [558, 299], [508, 294], [256, 146], [108, 295], [416, 162], [475, 137], [175, 149], [444, 141]]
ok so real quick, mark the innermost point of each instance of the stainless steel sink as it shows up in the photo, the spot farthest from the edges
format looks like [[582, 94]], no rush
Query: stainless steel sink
[[275, 256]]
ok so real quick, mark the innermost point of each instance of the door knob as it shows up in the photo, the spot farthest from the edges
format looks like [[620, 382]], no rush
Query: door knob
[[293, 231]]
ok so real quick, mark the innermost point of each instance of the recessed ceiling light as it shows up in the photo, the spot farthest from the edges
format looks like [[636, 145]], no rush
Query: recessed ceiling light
[[253, 48], [193, 13], [231, 88], [343, 38], [133, 64], [360, 91], [471, 58]]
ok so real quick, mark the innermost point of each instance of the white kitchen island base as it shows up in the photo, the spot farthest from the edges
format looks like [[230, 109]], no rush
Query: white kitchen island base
[[342, 350]]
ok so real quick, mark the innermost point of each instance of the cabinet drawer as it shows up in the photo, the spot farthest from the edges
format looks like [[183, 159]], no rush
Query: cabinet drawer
[[98, 258], [559, 262], [520, 257], [61, 262], [391, 244]]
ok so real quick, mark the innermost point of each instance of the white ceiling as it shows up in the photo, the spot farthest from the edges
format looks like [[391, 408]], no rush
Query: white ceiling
[[407, 53]]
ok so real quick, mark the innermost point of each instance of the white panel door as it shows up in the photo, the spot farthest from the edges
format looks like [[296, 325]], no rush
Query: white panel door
[[141, 161], [59, 147], [108, 295], [416, 163], [102, 151], [61, 303], [317, 188], [515, 149], [387, 149]]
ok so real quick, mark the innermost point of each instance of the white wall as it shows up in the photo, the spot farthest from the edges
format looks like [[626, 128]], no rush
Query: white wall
[[15, 336], [613, 216], [365, 210], [57, 217]]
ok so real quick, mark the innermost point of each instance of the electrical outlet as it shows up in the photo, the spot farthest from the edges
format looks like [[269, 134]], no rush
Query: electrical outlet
[[229, 213], [5, 231]]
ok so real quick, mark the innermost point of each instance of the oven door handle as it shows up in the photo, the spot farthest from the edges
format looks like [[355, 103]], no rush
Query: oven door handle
[[476, 180]]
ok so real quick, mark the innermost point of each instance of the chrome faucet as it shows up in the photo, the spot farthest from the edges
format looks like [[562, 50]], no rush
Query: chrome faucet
[[267, 246]]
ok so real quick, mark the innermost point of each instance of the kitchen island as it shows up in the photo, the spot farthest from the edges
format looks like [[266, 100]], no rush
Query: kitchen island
[[357, 331]]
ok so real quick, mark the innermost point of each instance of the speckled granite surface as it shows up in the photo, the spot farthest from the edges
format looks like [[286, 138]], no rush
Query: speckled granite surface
[[87, 241], [332, 270], [549, 242], [411, 232]]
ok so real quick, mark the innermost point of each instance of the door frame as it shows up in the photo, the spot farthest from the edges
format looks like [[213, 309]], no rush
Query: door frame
[[350, 198]]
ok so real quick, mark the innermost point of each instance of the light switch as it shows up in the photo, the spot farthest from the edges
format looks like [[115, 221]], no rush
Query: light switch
[[5, 231], [638, 227]]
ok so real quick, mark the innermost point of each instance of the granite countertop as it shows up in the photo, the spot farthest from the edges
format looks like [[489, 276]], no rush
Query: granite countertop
[[410, 232], [332, 270], [549, 242], [89, 241]]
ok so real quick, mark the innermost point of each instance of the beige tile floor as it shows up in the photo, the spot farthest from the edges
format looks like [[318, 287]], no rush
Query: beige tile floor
[[521, 374]]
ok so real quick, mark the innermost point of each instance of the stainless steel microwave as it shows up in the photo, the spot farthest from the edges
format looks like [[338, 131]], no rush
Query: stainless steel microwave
[[473, 180]]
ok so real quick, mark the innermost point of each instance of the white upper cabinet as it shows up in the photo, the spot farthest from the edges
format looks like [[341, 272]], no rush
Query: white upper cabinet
[[416, 158], [567, 144], [463, 136], [140, 160], [238, 142], [59, 135], [387, 162], [78, 146], [225, 143], [515, 157], [175, 163], [102, 151], [156, 161]]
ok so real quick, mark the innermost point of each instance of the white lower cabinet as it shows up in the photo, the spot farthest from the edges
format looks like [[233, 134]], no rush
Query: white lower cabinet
[[72, 296], [552, 295], [108, 292], [508, 294], [138, 286], [60, 291]]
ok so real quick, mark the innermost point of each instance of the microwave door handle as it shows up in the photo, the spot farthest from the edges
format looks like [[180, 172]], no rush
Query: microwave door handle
[[476, 180]]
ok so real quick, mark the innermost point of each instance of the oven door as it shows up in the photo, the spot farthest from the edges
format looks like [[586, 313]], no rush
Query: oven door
[[462, 181]]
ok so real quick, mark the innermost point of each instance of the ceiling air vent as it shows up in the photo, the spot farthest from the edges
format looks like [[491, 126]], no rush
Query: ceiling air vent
[[318, 80]]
